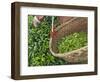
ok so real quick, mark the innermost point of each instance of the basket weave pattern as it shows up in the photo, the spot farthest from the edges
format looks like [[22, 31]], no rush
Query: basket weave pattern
[[76, 24]]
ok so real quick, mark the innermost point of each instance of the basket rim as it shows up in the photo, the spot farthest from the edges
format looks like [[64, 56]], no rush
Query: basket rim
[[63, 54]]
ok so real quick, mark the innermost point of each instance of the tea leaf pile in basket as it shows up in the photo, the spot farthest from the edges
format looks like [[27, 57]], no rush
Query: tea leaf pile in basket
[[38, 44], [72, 42]]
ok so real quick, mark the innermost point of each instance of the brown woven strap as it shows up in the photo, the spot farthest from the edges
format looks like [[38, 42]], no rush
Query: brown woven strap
[[65, 23]]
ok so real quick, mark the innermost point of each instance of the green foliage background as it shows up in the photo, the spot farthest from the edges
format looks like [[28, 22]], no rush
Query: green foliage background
[[38, 44]]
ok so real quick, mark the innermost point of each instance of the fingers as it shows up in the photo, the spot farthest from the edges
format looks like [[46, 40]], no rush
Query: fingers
[[40, 18], [35, 22]]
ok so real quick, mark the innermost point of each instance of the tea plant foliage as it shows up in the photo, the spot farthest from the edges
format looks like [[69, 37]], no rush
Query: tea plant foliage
[[38, 44], [72, 42]]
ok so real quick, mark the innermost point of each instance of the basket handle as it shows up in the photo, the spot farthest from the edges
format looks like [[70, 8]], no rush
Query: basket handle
[[58, 28], [53, 32]]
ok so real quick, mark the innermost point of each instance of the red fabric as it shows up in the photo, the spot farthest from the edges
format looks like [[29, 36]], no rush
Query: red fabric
[[53, 34]]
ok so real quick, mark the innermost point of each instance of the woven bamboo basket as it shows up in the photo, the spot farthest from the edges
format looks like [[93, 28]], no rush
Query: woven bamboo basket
[[76, 24]]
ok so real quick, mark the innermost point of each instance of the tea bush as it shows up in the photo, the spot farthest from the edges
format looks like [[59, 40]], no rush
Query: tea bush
[[38, 44]]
